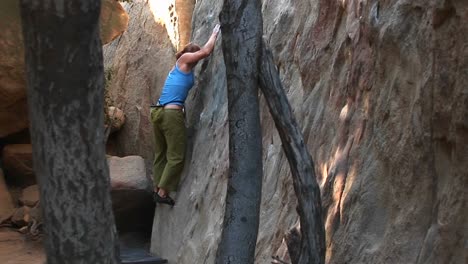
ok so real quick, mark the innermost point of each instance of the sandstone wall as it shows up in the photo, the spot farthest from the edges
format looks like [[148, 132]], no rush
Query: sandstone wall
[[136, 66], [380, 89], [184, 10], [13, 105]]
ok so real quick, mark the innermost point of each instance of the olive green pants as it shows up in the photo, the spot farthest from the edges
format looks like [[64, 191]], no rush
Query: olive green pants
[[170, 138]]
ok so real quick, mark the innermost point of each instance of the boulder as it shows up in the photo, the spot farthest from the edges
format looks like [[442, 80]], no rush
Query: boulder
[[30, 196], [6, 204], [128, 173], [13, 107], [113, 21], [131, 196], [21, 217], [18, 164]]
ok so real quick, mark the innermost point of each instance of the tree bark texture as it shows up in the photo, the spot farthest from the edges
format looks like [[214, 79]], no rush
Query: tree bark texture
[[65, 98], [312, 248], [241, 22], [293, 242]]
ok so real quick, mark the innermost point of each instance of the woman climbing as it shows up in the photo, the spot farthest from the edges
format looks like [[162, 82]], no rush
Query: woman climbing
[[168, 121]]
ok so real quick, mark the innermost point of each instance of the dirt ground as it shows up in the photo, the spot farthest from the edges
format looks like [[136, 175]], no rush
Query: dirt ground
[[15, 248]]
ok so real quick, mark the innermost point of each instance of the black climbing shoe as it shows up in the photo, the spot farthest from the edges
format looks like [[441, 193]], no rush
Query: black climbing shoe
[[164, 200]]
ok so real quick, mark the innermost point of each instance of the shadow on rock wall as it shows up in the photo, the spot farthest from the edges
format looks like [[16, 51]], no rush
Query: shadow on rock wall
[[379, 88]]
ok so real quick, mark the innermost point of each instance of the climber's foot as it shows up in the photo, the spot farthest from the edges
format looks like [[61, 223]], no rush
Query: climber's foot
[[163, 199]]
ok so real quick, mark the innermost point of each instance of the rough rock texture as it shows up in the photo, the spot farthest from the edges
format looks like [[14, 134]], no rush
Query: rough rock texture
[[30, 196], [18, 164], [139, 61], [15, 249], [21, 217], [13, 106], [116, 118], [128, 173], [184, 10], [384, 105], [113, 21], [165, 14], [380, 89]]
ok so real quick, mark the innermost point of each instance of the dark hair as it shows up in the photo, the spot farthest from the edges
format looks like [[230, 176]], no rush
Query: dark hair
[[188, 48]]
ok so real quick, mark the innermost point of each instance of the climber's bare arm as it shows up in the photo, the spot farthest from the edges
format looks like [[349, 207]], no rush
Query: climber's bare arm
[[187, 60]]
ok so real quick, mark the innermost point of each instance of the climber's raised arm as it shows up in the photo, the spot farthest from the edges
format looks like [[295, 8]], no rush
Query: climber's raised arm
[[187, 59]]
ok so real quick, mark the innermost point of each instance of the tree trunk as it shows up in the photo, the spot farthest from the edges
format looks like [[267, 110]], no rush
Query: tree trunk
[[312, 248], [242, 31], [65, 98]]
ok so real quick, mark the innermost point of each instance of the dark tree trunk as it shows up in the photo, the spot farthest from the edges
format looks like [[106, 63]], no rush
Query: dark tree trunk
[[242, 31], [293, 242], [65, 98], [312, 248]]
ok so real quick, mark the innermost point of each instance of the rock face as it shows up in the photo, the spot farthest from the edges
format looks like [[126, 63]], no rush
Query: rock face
[[113, 21], [380, 90], [13, 106], [383, 101], [184, 9], [139, 61], [116, 118]]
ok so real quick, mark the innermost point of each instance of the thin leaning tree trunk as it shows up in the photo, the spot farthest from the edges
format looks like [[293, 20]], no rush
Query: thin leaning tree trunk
[[65, 96], [312, 248], [242, 32]]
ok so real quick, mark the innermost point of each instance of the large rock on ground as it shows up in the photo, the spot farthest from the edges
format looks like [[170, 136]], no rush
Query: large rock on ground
[[13, 106], [128, 173], [6, 203], [18, 164], [131, 194]]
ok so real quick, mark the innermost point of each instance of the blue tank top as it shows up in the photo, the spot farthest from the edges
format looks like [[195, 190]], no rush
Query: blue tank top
[[176, 87]]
